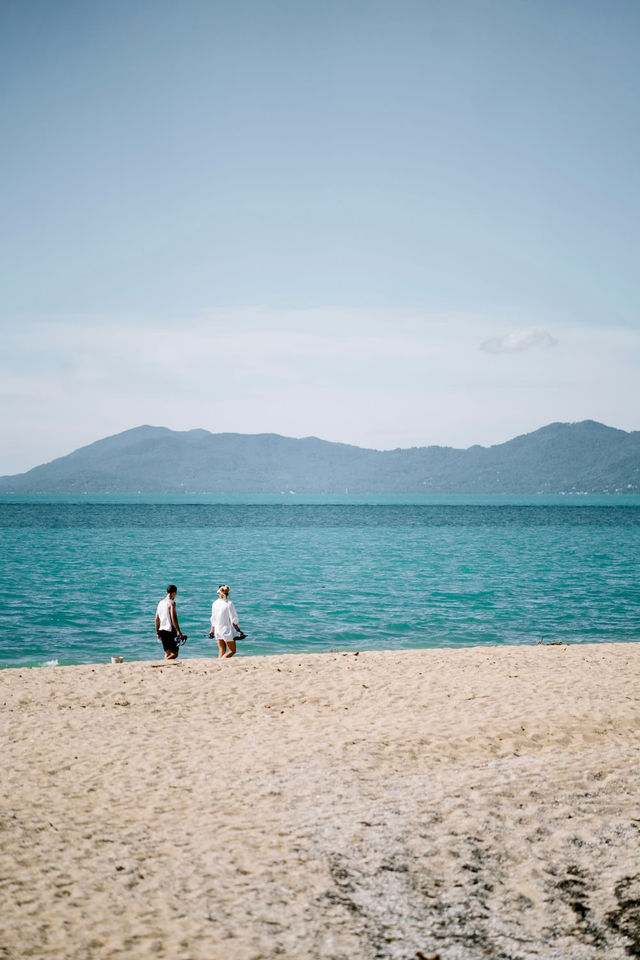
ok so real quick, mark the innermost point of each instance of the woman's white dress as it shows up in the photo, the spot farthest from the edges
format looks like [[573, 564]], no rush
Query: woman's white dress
[[223, 617]]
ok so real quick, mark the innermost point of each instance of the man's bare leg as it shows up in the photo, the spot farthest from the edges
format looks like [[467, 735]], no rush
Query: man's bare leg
[[169, 655]]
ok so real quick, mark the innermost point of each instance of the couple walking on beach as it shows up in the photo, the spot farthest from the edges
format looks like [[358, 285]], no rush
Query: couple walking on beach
[[224, 624]]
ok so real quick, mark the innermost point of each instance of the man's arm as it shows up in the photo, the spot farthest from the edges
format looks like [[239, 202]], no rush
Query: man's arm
[[174, 617], [157, 625]]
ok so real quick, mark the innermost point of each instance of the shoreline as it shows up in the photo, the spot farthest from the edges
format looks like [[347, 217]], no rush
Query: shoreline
[[242, 655], [464, 802]]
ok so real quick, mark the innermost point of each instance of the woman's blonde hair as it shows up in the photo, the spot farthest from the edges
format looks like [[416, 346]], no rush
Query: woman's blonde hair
[[224, 588]]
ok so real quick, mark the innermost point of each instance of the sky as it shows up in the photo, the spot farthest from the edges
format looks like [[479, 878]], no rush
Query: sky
[[391, 223]]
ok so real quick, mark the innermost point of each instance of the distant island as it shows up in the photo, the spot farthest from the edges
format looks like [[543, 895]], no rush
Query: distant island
[[561, 458]]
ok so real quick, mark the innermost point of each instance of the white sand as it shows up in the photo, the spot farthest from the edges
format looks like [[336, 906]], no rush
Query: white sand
[[472, 804]]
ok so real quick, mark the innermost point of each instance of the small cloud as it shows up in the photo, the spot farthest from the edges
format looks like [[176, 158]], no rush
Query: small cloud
[[518, 340]]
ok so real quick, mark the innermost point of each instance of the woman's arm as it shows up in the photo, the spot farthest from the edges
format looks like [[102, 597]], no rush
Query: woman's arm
[[234, 616]]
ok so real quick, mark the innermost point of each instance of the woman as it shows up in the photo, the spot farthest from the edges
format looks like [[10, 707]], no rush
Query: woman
[[224, 620]]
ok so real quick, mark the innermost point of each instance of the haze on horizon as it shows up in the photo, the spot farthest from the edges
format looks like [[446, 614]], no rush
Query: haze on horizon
[[383, 223]]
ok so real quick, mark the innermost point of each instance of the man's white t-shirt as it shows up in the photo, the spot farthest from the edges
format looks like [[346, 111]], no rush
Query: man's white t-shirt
[[164, 614]]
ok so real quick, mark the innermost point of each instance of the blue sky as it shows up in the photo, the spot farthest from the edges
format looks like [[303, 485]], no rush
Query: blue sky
[[387, 223]]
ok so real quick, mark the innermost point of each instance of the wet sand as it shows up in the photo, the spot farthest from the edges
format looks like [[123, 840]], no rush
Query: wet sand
[[476, 803]]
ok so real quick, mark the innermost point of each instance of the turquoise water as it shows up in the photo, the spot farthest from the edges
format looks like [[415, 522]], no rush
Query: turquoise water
[[81, 577]]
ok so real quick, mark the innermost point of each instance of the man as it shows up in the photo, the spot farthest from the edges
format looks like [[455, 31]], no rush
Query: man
[[167, 626]]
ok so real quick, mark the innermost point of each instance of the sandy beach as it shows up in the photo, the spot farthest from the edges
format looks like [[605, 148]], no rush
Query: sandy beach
[[475, 803]]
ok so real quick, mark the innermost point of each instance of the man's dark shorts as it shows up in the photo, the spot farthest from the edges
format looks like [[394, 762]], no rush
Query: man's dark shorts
[[169, 641]]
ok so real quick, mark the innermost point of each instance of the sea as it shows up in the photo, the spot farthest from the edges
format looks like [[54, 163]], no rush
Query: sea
[[82, 575]]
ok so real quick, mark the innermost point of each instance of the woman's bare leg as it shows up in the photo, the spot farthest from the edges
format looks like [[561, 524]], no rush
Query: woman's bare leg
[[222, 648], [232, 649]]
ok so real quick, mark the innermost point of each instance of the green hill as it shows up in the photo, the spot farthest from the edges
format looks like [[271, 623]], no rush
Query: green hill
[[585, 457]]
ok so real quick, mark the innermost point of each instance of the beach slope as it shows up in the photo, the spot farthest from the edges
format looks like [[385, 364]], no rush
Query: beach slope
[[474, 803]]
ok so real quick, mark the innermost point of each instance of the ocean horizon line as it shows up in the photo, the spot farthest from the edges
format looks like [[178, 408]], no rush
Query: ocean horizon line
[[290, 497]]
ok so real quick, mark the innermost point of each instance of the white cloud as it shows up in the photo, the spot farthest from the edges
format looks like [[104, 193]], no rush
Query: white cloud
[[518, 340]]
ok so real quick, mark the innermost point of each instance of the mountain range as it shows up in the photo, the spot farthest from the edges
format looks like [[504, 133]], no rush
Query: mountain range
[[585, 457]]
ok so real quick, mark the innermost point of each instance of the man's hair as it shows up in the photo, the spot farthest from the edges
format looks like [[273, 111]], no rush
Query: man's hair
[[172, 588]]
